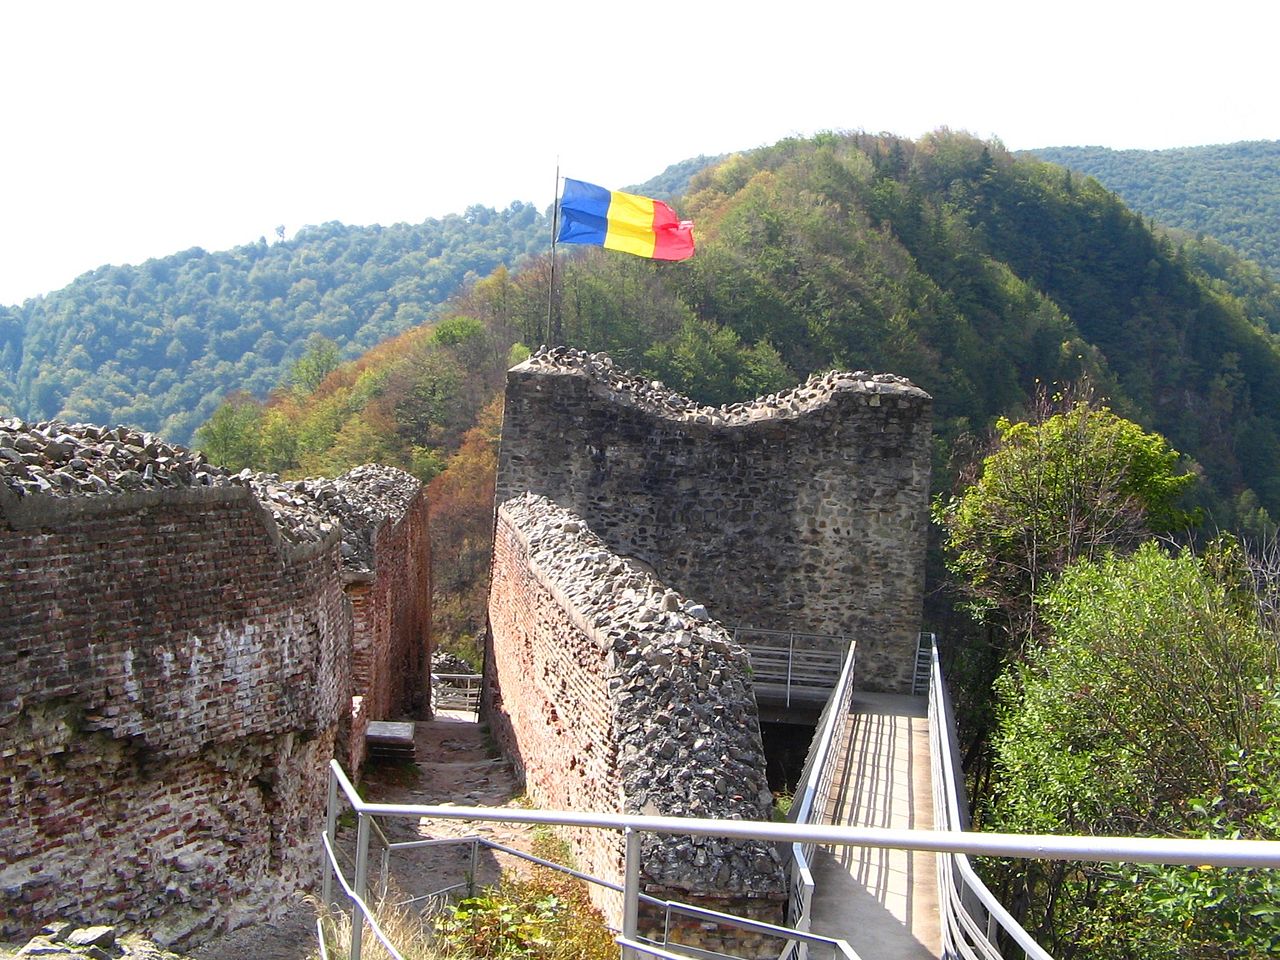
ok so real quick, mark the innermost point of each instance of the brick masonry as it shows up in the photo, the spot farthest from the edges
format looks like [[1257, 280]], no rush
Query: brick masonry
[[391, 604], [172, 675], [612, 693]]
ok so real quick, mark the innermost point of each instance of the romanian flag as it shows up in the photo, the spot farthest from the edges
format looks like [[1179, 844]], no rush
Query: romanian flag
[[623, 221]]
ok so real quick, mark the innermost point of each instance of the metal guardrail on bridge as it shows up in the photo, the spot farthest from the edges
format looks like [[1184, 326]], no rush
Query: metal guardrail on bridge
[[970, 913], [809, 803], [787, 666], [955, 843]]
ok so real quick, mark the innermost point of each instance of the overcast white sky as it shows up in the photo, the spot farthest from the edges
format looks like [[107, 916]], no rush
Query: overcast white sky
[[131, 130]]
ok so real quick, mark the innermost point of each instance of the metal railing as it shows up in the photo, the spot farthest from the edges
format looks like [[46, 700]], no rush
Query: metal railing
[[368, 830], [954, 843], [790, 665], [456, 691], [810, 800], [971, 916]]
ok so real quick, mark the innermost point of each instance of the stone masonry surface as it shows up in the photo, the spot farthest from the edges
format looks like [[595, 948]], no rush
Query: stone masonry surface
[[804, 510], [614, 693], [175, 664]]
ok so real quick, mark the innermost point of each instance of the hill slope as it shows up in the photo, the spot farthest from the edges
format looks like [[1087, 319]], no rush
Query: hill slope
[[980, 276], [1230, 191], [159, 345]]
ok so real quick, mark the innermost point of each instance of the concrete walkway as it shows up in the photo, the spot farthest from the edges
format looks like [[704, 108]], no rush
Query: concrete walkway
[[883, 902]]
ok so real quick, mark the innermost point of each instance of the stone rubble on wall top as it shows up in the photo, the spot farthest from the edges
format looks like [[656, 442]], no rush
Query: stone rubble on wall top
[[658, 398], [684, 713], [63, 940], [57, 459]]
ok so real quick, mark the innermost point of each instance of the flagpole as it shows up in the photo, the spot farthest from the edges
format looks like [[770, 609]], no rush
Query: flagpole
[[555, 225]]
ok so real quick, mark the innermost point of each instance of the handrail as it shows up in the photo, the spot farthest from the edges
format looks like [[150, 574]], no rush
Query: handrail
[[794, 663], [457, 690], [359, 907], [1167, 850], [964, 934], [839, 947], [814, 789], [958, 843]]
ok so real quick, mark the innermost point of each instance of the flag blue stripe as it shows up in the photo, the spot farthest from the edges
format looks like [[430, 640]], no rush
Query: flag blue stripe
[[584, 213]]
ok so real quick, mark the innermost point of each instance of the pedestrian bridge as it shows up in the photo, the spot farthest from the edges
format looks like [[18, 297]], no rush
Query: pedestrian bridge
[[878, 840]]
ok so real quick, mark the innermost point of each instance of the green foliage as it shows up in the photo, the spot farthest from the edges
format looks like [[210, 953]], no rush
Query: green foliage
[[457, 330], [1074, 485], [162, 344], [1230, 191], [1148, 711], [547, 916], [674, 181], [233, 435], [309, 370], [709, 362]]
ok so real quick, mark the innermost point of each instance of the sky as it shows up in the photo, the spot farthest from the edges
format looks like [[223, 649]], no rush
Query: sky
[[132, 130]]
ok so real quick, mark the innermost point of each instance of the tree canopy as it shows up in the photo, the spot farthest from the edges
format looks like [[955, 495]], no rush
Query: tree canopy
[[1075, 485], [1228, 191], [1152, 709], [159, 345]]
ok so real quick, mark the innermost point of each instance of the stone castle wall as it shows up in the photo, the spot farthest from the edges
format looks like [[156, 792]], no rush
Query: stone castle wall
[[390, 657], [176, 649], [801, 511], [172, 675], [612, 693]]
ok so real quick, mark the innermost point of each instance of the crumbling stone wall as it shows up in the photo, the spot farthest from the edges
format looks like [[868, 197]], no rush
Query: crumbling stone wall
[[171, 678], [806, 510], [386, 571], [175, 671], [613, 693], [389, 587]]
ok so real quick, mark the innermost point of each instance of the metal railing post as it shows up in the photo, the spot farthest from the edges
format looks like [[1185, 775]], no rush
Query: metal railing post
[[630, 890], [791, 652], [362, 884], [475, 857], [330, 826]]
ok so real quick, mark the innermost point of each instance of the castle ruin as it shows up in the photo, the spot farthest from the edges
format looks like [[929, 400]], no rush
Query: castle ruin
[[181, 652], [634, 530]]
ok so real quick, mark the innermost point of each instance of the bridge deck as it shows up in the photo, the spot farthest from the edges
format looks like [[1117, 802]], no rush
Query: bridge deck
[[883, 902]]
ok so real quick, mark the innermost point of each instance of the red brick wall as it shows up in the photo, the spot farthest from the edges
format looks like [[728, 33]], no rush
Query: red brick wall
[[391, 653], [540, 658], [171, 677]]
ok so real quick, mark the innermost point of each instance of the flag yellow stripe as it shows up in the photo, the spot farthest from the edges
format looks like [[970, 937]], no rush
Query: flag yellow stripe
[[630, 225]]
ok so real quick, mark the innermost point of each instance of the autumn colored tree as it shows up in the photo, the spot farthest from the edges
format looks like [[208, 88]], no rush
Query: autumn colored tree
[[461, 500]]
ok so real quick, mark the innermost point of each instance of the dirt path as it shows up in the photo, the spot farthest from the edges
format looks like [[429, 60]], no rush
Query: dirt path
[[455, 765]]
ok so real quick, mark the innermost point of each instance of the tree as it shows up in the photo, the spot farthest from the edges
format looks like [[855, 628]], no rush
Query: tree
[[1151, 710], [1074, 485], [230, 437], [320, 359]]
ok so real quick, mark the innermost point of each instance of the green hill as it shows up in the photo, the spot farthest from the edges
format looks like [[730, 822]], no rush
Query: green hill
[[1230, 192], [981, 276], [159, 345]]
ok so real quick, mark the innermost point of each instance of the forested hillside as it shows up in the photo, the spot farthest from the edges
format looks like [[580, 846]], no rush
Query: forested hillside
[[980, 276], [1230, 192], [1108, 684], [158, 346], [976, 274]]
